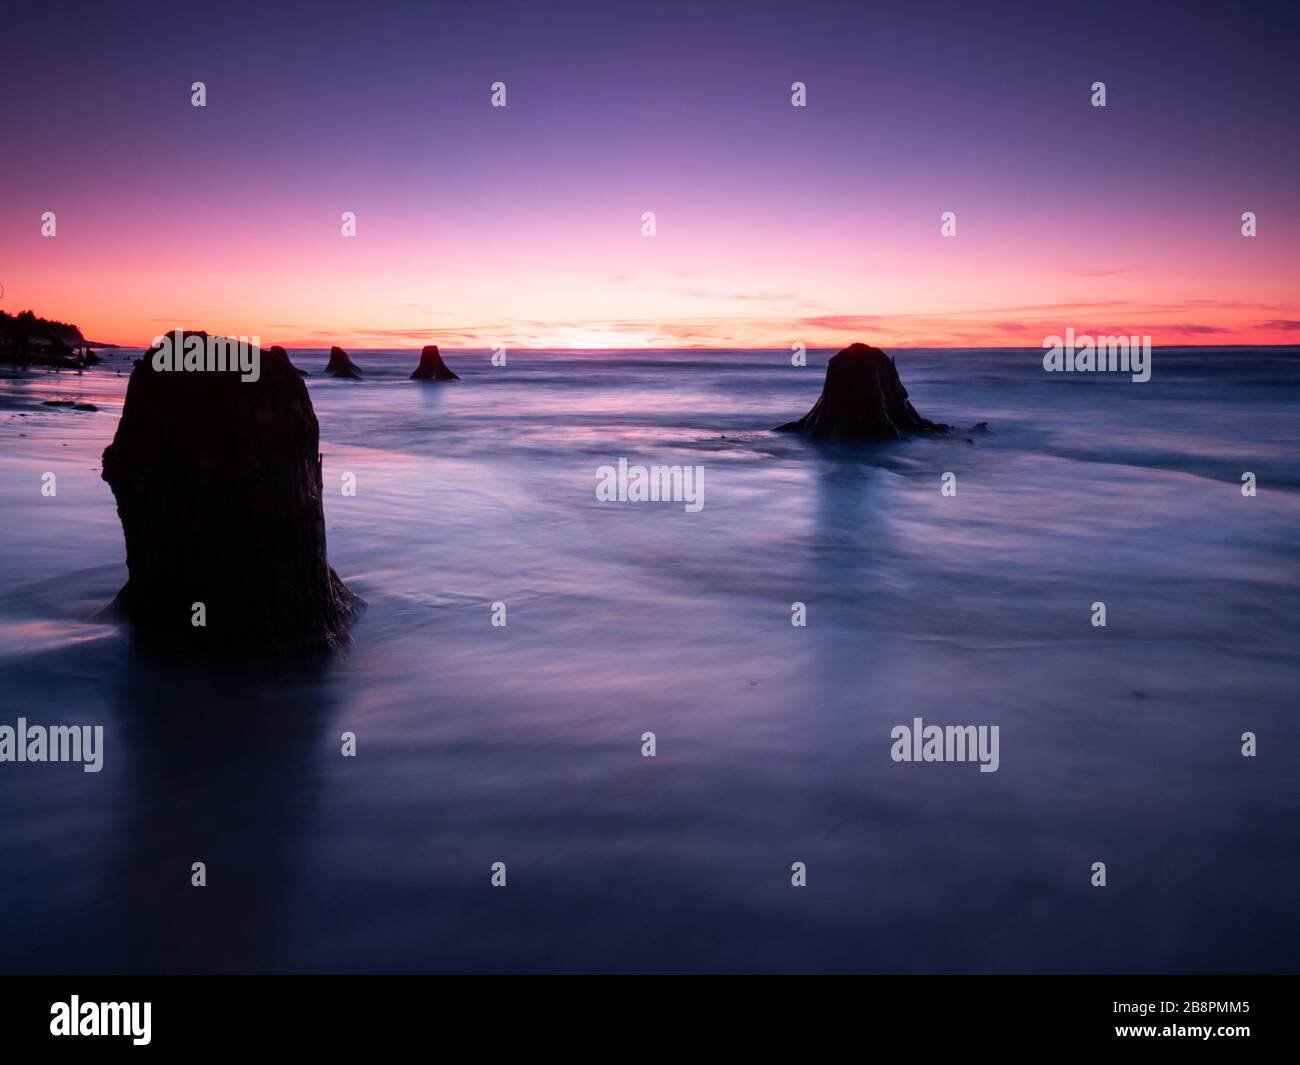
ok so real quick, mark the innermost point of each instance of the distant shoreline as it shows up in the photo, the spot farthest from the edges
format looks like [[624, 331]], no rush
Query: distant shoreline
[[832, 348]]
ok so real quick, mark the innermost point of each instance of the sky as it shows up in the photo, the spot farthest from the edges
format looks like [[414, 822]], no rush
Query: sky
[[774, 224]]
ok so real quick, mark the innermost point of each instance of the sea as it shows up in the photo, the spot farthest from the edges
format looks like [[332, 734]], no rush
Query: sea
[[527, 643]]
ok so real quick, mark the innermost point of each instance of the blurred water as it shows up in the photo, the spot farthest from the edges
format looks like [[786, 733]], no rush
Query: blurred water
[[480, 744]]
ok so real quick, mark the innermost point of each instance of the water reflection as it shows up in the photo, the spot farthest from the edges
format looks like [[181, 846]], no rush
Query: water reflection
[[223, 769]]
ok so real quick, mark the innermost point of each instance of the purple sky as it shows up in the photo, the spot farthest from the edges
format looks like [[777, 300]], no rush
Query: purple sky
[[774, 224]]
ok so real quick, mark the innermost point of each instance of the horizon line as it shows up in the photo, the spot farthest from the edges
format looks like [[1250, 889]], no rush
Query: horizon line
[[487, 350]]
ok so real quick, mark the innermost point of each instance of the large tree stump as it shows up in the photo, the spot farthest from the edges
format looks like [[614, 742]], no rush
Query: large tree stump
[[431, 367], [862, 399], [218, 486]]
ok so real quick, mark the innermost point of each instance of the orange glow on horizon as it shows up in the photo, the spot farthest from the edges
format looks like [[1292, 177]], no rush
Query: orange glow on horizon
[[726, 286]]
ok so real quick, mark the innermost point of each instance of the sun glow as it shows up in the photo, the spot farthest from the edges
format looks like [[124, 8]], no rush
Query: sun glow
[[596, 338]]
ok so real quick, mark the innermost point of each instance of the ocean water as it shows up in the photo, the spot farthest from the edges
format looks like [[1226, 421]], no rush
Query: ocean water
[[522, 744]]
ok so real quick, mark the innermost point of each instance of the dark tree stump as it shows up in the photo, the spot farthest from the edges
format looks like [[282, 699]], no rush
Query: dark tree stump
[[218, 486], [341, 366], [280, 350], [431, 367], [862, 399]]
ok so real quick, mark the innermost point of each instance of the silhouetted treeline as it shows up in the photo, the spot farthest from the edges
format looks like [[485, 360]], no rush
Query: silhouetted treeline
[[26, 338]]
